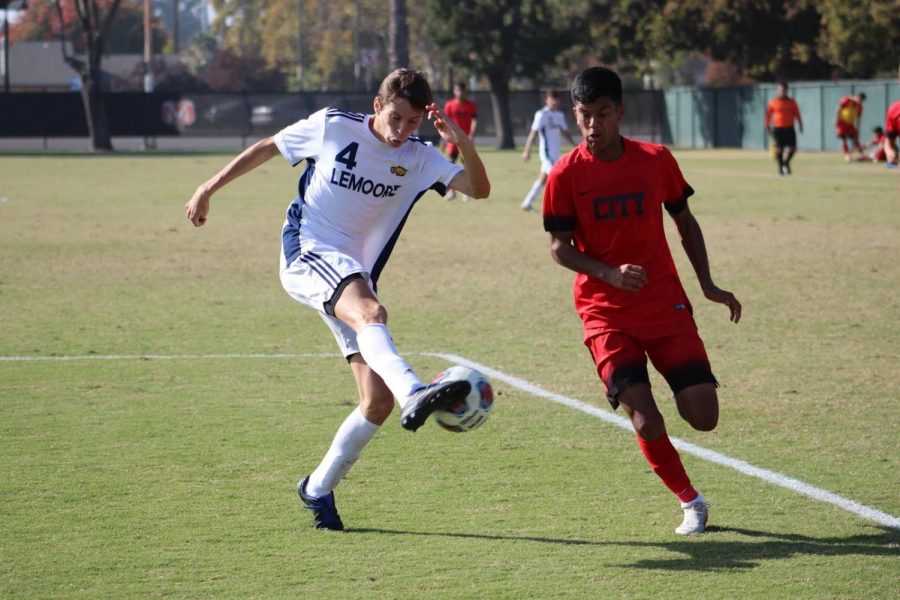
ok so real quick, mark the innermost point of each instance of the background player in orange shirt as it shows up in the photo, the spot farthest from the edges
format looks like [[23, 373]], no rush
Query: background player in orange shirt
[[603, 209], [780, 116], [464, 113], [846, 123], [891, 132]]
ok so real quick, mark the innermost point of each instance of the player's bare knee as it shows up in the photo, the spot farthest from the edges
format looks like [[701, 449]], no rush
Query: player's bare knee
[[374, 312], [704, 422]]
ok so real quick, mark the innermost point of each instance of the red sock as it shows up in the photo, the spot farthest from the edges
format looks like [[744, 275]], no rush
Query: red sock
[[666, 463]]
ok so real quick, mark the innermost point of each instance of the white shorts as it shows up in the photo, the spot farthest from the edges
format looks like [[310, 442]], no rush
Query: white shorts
[[316, 278], [546, 165]]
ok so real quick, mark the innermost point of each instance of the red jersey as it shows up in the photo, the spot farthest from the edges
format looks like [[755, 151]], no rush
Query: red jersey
[[850, 109], [892, 119], [615, 212], [784, 111], [463, 112]]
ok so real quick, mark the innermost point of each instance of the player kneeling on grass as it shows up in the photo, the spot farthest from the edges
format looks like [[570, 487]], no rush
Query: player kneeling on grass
[[603, 210], [363, 174]]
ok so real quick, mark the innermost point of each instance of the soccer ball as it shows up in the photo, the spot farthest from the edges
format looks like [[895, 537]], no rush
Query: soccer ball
[[472, 411]]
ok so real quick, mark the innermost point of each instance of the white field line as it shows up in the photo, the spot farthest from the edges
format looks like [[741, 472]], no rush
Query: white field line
[[746, 468], [872, 514]]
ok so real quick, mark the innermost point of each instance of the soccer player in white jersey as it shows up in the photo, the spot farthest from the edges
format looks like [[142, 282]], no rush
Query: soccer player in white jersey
[[549, 124], [363, 175]]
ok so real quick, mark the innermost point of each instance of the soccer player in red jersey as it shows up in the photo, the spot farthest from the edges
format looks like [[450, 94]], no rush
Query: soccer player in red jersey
[[464, 113], [846, 123], [603, 209], [891, 132], [781, 113], [875, 147]]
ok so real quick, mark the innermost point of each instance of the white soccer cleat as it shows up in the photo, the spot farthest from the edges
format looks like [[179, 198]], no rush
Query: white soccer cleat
[[695, 515]]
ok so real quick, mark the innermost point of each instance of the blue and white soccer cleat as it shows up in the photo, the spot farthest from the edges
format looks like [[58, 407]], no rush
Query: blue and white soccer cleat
[[426, 400], [325, 514]]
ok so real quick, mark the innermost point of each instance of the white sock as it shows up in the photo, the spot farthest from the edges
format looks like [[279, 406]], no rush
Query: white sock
[[699, 498], [352, 436], [531, 195], [377, 349]]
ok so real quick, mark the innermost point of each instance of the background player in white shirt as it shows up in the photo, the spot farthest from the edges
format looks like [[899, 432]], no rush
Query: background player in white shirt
[[549, 124], [363, 174]]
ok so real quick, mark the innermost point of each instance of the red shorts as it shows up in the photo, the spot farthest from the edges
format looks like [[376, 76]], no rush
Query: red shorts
[[676, 351], [452, 150], [844, 130]]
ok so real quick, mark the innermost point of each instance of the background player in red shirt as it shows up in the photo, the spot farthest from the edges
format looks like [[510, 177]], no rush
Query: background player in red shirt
[[464, 113], [875, 147], [781, 113], [603, 209], [846, 123], [891, 132]]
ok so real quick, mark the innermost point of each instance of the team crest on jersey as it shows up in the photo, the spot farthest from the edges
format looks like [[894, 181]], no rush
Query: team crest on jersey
[[398, 171]]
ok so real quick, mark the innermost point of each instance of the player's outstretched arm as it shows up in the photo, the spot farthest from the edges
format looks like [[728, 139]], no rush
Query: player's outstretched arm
[[630, 278], [695, 248], [473, 181], [198, 206]]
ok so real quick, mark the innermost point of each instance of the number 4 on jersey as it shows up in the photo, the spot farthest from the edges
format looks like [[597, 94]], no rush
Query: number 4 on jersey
[[347, 156]]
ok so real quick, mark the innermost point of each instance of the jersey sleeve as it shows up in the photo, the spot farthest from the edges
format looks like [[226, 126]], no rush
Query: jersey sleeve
[[559, 206], [303, 139], [537, 122], [676, 189], [440, 169]]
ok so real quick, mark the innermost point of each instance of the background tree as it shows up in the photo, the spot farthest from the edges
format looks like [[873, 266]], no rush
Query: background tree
[[41, 22], [329, 44], [862, 37], [94, 20], [499, 39], [398, 36], [247, 71], [764, 39]]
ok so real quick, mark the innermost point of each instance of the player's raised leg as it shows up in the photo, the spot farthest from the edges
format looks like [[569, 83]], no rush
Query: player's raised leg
[[360, 309]]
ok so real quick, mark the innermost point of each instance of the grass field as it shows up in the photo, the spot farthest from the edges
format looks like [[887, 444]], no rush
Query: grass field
[[147, 451]]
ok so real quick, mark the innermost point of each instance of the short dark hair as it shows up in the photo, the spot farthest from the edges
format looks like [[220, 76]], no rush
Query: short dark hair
[[461, 85], [551, 94], [407, 84], [862, 96], [878, 130], [595, 83]]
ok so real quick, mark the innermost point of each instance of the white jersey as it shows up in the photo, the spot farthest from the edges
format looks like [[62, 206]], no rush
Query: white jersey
[[356, 191], [549, 124]]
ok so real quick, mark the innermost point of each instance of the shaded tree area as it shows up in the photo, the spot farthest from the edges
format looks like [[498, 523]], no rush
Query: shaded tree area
[[499, 40], [276, 45], [862, 38], [93, 19]]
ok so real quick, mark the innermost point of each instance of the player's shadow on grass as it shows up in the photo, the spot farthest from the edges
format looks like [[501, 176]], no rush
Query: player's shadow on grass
[[709, 554], [706, 553]]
